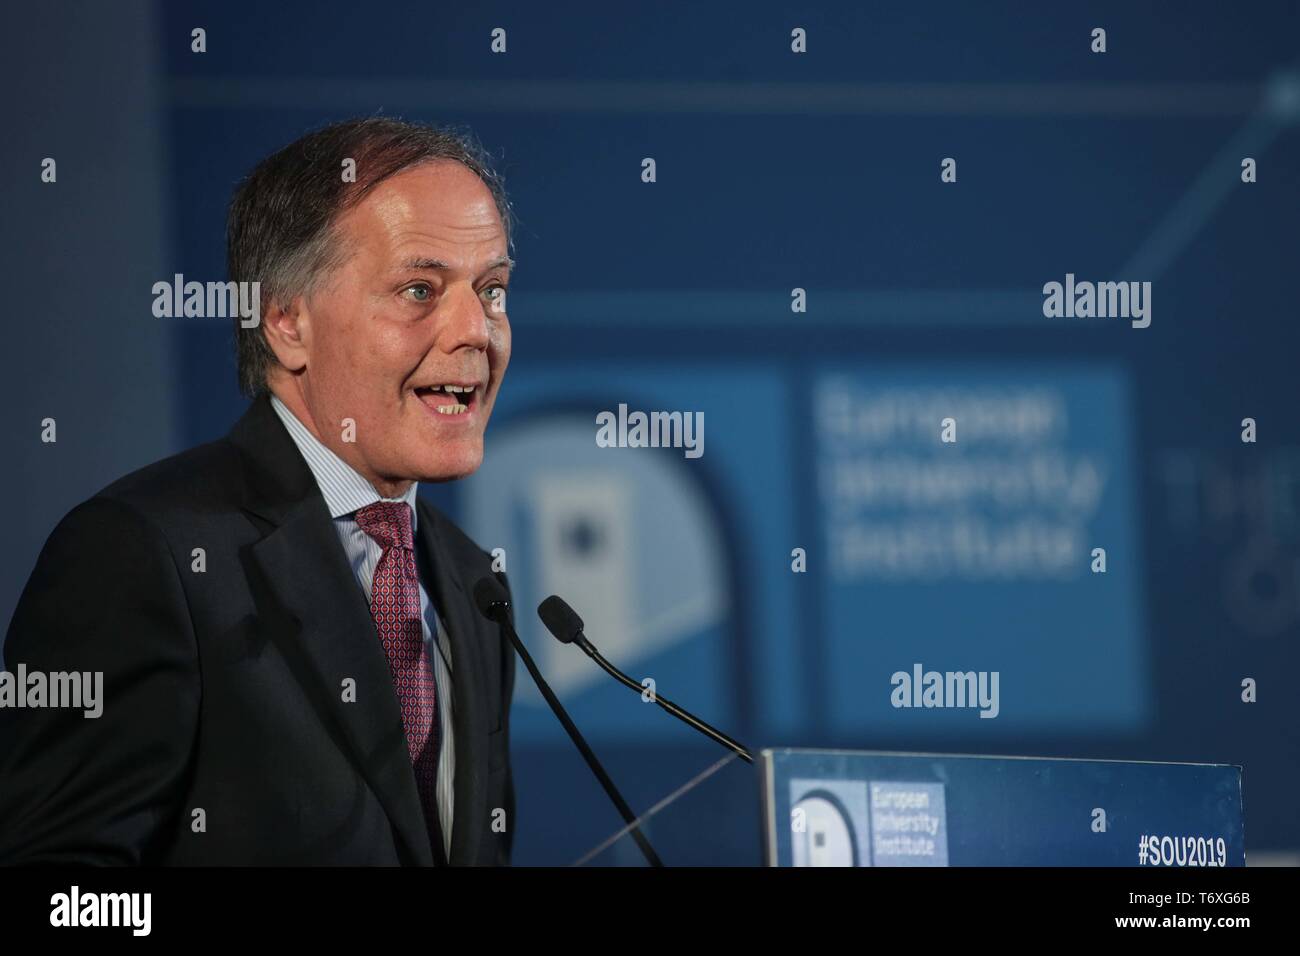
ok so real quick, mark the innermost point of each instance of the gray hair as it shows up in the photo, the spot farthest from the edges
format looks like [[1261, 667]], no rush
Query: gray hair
[[280, 226]]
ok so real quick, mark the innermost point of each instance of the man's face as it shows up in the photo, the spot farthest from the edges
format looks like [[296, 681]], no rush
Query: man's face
[[393, 337]]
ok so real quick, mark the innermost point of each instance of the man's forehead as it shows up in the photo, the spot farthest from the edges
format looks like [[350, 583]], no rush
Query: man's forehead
[[439, 211]]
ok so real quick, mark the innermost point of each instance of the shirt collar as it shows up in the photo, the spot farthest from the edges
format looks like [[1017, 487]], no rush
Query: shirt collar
[[343, 488]]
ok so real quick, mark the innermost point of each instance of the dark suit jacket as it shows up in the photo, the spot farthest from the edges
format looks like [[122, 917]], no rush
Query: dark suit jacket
[[224, 688]]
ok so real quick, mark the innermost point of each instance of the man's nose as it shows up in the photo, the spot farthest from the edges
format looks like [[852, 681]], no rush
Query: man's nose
[[464, 322]]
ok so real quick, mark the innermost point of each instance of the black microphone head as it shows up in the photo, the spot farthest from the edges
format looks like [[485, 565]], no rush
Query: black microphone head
[[560, 619], [491, 598]]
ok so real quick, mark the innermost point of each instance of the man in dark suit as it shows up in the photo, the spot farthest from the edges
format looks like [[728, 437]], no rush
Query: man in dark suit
[[293, 668]]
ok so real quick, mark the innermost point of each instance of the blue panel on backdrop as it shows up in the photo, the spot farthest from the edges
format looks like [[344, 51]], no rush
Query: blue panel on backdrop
[[653, 547], [961, 507]]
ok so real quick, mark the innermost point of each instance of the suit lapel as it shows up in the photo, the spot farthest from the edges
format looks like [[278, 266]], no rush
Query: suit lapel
[[456, 608], [335, 639]]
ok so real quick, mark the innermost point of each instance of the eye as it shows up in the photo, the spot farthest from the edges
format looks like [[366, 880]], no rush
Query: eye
[[494, 291], [420, 292]]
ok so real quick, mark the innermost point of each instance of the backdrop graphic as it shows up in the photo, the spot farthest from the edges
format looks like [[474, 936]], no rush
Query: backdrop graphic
[[779, 171]]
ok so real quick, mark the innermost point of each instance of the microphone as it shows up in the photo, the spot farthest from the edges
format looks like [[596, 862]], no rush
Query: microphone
[[494, 604], [565, 625]]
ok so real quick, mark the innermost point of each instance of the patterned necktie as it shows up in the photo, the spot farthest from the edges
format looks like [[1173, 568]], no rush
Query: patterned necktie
[[395, 606]]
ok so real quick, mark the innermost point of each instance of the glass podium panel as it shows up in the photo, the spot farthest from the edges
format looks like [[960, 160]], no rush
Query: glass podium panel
[[713, 819]]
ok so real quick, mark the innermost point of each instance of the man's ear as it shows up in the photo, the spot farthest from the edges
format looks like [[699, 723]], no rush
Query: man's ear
[[288, 332]]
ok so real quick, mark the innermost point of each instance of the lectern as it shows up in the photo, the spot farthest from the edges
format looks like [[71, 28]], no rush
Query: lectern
[[871, 808]]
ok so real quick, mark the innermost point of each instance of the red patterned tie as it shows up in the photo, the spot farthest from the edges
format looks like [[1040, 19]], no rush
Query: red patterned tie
[[395, 606]]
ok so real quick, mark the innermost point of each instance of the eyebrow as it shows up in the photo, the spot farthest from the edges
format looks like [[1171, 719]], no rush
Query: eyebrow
[[436, 265]]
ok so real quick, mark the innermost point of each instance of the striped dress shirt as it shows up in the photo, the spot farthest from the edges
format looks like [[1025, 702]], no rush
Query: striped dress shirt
[[345, 491]]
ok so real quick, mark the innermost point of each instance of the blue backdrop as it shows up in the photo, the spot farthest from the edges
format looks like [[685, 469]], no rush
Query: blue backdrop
[[777, 171]]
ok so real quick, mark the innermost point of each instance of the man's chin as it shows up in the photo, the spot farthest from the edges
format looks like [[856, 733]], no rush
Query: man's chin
[[449, 467]]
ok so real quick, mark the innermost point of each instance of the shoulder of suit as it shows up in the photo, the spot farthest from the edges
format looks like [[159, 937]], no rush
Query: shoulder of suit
[[203, 479]]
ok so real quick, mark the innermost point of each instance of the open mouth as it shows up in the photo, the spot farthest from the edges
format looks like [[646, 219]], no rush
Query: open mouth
[[448, 399]]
